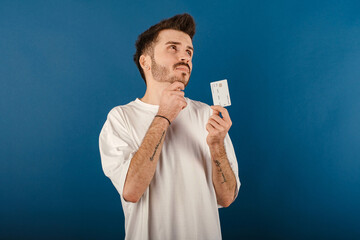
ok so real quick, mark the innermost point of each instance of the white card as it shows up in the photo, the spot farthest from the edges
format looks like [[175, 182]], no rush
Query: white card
[[220, 93]]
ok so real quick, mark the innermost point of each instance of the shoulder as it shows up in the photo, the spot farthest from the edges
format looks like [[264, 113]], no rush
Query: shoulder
[[119, 111], [117, 118], [116, 121]]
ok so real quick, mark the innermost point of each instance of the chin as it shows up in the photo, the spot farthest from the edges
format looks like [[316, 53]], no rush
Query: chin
[[185, 81]]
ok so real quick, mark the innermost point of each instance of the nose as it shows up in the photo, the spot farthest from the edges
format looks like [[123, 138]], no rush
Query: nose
[[184, 56]]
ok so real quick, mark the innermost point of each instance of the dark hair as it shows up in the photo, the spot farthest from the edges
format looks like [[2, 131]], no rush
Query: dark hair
[[182, 22]]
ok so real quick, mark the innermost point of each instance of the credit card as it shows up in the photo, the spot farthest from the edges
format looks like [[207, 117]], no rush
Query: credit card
[[220, 93]]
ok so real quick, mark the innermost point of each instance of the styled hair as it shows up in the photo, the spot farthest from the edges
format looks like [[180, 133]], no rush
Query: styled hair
[[182, 22]]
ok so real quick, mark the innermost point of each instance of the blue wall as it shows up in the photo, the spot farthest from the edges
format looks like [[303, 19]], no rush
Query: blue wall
[[293, 72]]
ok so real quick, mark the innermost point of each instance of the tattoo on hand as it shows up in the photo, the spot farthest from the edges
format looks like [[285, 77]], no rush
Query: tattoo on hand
[[157, 145], [217, 163]]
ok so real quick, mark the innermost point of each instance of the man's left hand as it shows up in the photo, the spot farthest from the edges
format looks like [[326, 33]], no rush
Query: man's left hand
[[218, 127]]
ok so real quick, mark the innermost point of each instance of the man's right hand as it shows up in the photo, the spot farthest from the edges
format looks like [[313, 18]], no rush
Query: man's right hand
[[172, 101]]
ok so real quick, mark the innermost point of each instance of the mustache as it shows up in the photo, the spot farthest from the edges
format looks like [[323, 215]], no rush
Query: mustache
[[183, 64]]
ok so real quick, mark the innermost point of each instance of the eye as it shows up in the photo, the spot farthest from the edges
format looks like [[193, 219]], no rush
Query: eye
[[189, 52], [173, 47]]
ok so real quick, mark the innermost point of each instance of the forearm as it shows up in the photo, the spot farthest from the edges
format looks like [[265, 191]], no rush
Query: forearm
[[144, 162], [224, 180]]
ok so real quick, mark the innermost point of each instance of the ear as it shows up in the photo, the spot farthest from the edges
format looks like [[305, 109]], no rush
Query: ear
[[145, 62]]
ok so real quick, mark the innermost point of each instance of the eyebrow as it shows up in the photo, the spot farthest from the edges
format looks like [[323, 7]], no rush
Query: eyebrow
[[178, 43]]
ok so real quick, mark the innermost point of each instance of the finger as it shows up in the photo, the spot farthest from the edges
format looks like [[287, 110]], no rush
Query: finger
[[182, 101], [175, 86], [223, 111], [217, 107], [219, 120], [216, 112], [177, 93], [209, 127], [216, 125], [179, 97], [184, 105]]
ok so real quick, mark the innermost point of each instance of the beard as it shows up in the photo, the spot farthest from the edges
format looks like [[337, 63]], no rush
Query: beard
[[162, 74]]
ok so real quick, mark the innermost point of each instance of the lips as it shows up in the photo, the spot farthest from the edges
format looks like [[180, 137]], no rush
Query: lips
[[184, 69]]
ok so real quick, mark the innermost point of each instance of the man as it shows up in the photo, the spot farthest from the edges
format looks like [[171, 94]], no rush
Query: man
[[169, 157]]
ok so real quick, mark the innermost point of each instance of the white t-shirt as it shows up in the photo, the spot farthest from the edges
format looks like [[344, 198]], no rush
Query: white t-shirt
[[180, 202]]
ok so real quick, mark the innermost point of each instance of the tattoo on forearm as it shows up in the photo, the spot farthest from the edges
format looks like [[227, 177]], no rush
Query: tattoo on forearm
[[217, 163], [157, 145], [223, 177]]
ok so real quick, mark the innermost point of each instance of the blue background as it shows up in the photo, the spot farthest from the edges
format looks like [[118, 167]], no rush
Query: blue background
[[293, 72]]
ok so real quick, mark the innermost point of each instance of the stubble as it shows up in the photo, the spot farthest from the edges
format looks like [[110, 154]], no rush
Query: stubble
[[162, 74]]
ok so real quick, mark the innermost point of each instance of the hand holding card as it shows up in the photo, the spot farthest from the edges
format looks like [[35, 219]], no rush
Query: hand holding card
[[220, 93]]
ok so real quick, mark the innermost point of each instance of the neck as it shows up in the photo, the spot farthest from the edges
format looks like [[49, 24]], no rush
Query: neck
[[153, 92]]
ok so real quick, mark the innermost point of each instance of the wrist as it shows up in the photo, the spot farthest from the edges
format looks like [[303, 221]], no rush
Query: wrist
[[163, 117], [216, 145], [217, 149]]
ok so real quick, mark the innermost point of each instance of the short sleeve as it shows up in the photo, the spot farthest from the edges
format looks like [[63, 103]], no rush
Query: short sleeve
[[116, 151]]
